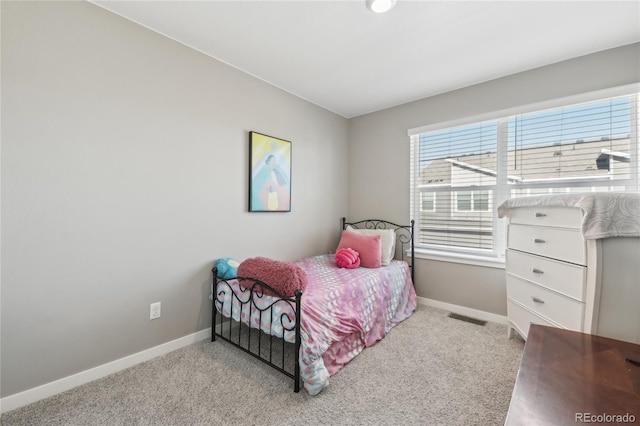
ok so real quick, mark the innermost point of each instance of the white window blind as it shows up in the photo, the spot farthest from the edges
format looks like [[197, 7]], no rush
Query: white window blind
[[466, 171], [588, 146], [457, 167]]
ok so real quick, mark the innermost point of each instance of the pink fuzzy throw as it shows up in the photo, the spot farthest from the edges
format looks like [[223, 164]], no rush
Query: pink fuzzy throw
[[283, 277], [347, 258]]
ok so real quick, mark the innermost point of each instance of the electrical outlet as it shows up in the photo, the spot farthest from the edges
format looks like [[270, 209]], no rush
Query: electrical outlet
[[154, 310]]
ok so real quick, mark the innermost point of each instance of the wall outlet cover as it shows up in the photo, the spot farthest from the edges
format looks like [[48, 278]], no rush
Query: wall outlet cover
[[155, 310]]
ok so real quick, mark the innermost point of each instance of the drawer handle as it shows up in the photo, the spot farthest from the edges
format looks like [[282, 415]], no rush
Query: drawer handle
[[537, 271], [535, 299], [538, 241], [540, 215]]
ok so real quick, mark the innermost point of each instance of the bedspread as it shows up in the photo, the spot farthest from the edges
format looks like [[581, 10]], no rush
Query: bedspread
[[343, 311]]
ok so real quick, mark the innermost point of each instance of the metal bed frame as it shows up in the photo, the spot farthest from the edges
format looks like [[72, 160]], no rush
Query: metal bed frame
[[267, 347]]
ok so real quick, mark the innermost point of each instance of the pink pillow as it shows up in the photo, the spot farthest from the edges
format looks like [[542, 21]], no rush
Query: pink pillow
[[369, 247], [283, 277], [347, 258]]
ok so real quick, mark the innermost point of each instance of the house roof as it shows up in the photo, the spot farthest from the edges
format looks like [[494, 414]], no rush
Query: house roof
[[583, 159]]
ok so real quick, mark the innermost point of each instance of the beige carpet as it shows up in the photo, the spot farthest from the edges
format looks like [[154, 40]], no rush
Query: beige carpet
[[430, 370]]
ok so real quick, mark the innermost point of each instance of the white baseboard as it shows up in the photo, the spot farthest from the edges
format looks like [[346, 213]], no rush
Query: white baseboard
[[462, 310], [29, 396], [21, 399]]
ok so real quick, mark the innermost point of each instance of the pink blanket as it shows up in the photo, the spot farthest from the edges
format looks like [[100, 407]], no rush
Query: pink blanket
[[283, 277], [346, 310]]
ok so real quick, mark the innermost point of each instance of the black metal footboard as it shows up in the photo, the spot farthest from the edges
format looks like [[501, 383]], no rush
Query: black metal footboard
[[255, 298]]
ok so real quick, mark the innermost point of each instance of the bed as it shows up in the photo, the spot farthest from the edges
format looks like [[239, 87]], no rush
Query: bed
[[310, 335]]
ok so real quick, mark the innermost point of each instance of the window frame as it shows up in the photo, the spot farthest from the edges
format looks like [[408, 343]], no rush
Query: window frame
[[502, 189], [472, 201], [433, 201]]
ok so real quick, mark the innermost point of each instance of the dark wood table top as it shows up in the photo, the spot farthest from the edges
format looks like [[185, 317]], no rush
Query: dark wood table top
[[568, 378]]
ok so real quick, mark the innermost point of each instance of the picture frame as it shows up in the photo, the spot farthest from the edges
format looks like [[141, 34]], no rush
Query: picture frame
[[269, 173]]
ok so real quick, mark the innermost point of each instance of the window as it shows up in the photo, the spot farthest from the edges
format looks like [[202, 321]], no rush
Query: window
[[460, 174], [428, 201], [471, 201]]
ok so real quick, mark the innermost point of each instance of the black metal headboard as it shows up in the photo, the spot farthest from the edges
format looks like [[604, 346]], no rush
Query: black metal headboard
[[404, 237]]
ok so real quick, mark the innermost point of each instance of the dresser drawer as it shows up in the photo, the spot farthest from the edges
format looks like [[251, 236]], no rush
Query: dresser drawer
[[557, 308], [565, 278], [521, 318], [561, 217], [556, 243]]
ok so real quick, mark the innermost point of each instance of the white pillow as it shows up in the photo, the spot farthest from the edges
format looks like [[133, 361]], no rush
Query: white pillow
[[387, 241]]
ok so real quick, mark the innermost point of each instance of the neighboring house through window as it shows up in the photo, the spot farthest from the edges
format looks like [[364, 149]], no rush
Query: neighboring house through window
[[462, 172]]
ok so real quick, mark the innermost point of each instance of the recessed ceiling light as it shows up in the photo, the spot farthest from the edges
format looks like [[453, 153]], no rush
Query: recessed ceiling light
[[380, 6]]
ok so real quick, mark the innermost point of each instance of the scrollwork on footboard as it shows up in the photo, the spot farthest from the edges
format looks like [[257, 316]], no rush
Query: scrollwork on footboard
[[252, 316]]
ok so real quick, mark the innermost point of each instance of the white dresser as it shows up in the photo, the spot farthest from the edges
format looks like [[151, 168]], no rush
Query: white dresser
[[547, 269], [556, 277]]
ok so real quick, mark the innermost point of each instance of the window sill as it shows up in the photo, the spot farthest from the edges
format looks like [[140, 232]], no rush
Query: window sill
[[467, 259]]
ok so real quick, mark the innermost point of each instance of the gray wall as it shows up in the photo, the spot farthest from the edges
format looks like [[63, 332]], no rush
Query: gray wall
[[379, 156], [124, 176], [618, 313]]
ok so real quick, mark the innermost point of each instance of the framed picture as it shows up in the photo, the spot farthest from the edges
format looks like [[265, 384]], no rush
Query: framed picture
[[269, 174]]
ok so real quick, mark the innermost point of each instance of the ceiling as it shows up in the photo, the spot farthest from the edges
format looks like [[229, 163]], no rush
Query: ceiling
[[342, 57]]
